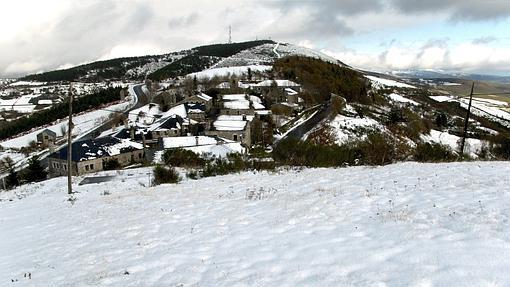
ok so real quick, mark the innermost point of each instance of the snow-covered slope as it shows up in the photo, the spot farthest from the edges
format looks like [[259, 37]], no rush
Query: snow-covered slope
[[407, 224], [267, 53]]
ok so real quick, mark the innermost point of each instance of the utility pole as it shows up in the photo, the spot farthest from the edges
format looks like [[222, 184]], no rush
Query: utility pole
[[230, 34], [466, 122], [70, 142]]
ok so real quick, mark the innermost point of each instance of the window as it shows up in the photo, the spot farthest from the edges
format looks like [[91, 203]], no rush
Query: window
[[139, 155], [87, 167], [92, 166], [235, 137]]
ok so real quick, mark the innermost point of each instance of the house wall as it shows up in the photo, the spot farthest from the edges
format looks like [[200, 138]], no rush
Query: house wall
[[243, 136], [58, 167]]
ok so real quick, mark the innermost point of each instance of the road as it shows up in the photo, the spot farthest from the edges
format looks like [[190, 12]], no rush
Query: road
[[140, 99], [302, 129]]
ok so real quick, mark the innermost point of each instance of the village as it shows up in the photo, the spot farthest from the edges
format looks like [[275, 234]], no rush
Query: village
[[232, 116]]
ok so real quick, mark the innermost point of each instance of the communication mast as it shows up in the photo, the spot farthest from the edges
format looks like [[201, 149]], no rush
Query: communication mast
[[230, 34]]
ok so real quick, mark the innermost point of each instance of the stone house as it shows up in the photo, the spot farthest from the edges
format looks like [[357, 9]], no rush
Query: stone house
[[232, 127], [46, 137], [91, 155]]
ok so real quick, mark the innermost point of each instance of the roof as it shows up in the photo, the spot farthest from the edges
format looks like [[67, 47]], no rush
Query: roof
[[172, 122], [49, 132], [242, 102], [97, 148], [204, 97], [231, 122], [126, 134], [195, 108], [180, 142], [290, 92]]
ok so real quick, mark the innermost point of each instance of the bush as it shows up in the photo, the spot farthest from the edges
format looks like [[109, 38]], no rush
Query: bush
[[433, 152], [304, 153], [378, 149], [501, 147], [220, 166], [164, 174], [35, 171], [111, 164], [182, 157]]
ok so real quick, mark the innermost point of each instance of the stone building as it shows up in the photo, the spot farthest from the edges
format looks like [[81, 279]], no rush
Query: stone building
[[91, 155]]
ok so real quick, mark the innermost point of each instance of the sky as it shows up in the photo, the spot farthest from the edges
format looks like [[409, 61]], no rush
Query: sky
[[471, 36]]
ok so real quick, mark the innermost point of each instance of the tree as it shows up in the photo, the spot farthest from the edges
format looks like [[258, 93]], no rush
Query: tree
[[12, 179], [35, 171], [249, 74]]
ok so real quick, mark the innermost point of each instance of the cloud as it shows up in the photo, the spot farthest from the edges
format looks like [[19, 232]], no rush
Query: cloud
[[39, 36], [434, 54], [459, 10], [178, 22], [484, 40]]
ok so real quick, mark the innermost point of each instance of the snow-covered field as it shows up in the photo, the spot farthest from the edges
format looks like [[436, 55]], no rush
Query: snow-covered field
[[380, 82], [406, 224]]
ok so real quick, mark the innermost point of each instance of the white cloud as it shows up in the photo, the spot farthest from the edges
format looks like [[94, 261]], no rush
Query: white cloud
[[45, 35], [466, 57]]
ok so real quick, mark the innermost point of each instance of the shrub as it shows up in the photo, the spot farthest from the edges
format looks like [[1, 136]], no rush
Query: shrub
[[182, 157], [35, 171], [219, 166], [111, 164], [433, 152], [164, 174], [304, 153], [501, 147], [377, 149]]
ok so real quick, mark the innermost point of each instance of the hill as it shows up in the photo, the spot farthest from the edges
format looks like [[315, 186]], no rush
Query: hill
[[404, 224]]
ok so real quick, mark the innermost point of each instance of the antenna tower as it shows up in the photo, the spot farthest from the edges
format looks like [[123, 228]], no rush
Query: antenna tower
[[230, 34]]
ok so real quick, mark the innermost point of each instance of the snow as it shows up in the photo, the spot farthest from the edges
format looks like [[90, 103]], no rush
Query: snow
[[229, 125], [352, 128], [44, 102], [204, 97], [27, 83], [83, 123], [451, 84], [472, 146], [279, 83], [379, 82], [442, 99], [144, 115], [218, 150], [401, 99], [407, 224], [124, 143], [229, 71], [179, 142], [242, 102]]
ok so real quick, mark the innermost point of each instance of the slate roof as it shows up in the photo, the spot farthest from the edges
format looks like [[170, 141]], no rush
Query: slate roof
[[97, 148]]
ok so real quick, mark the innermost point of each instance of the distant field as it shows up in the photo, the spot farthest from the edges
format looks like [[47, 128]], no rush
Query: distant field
[[481, 87]]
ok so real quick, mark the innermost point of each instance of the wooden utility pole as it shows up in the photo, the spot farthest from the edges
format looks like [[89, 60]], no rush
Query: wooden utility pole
[[466, 122], [70, 142]]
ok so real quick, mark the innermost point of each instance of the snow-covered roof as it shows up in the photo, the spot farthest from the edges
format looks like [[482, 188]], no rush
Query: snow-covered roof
[[180, 142], [242, 102], [98, 148], [204, 97], [290, 92]]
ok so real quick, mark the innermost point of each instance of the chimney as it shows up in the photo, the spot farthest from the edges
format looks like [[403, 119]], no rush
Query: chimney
[[196, 140]]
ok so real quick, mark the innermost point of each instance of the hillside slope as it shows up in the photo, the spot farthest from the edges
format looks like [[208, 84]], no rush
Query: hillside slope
[[398, 225]]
